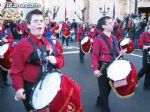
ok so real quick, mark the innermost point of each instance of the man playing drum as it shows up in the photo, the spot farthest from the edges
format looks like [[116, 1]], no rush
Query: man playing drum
[[24, 69], [105, 50], [35, 72], [144, 43], [5, 37]]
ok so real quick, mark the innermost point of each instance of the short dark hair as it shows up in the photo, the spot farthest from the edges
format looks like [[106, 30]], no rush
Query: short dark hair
[[101, 22], [33, 12]]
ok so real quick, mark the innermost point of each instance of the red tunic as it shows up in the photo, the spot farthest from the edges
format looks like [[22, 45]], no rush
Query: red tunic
[[101, 51], [22, 70], [144, 40]]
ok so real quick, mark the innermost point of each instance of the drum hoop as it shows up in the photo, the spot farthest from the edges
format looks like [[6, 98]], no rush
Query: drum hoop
[[123, 78], [123, 40], [34, 87]]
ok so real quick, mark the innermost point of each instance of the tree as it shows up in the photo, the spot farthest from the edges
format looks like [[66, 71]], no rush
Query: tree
[[54, 12], [82, 12]]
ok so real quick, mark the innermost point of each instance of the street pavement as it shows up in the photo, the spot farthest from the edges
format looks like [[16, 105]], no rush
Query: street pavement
[[83, 75]]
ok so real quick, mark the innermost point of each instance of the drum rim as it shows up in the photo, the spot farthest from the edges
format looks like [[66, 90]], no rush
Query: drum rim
[[33, 89]]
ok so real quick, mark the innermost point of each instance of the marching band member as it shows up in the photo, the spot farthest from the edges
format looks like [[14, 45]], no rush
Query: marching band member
[[22, 29], [121, 32], [5, 37], [82, 32], [47, 30], [25, 65], [144, 43], [103, 53], [66, 32]]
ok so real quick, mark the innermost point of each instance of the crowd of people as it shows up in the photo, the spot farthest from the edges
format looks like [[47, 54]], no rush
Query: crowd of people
[[33, 42]]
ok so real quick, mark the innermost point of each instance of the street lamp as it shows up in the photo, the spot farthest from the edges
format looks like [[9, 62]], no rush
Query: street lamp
[[103, 11]]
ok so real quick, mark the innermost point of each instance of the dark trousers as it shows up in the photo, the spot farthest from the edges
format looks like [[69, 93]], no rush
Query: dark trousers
[[81, 53], [67, 40], [145, 72], [3, 76], [28, 90], [104, 89]]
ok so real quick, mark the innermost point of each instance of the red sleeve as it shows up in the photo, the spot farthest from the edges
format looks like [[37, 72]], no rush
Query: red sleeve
[[95, 54], [79, 33], [59, 57], [141, 41], [17, 68], [119, 35]]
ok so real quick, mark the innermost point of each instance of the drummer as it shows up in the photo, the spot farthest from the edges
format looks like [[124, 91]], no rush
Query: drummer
[[144, 43], [5, 37], [81, 33], [25, 67], [105, 50]]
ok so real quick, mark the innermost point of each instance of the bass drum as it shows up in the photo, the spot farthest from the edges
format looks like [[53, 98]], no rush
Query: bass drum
[[6, 51], [58, 93], [123, 80]]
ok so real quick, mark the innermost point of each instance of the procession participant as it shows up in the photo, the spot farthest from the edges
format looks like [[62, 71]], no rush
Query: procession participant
[[74, 27], [121, 32], [144, 43], [51, 35], [66, 32], [22, 29], [81, 33], [25, 67], [5, 37], [92, 33], [105, 50]]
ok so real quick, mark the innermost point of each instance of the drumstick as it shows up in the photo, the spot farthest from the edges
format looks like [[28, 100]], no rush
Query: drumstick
[[121, 54], [103, 66]]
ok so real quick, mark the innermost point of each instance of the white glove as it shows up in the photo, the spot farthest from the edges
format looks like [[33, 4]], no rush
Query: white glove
[[52, 59], [97, 73], [20, 94]]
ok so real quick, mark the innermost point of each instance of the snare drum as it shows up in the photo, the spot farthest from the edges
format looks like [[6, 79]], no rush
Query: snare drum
[[6, 56], [123, 78], [128, 44], [86, 45], [58, 93]]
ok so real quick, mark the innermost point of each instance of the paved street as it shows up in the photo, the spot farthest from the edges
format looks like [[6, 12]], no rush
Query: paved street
[[83, 75]]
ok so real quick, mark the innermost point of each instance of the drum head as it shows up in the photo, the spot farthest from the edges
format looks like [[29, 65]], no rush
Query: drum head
[[40, 98], [84, 40], [124, 41], [119, 70], [3, 49]]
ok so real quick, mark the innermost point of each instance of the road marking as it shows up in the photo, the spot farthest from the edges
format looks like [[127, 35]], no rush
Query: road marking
[[75, 47], [136, 55], [70, 47], [76, 52], [71, 52]]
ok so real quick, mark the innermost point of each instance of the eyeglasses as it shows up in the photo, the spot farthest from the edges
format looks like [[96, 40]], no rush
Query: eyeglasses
[[37, 21]]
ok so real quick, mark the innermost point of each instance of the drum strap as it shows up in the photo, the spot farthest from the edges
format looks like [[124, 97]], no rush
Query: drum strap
[[41, 54], [112, 50]]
